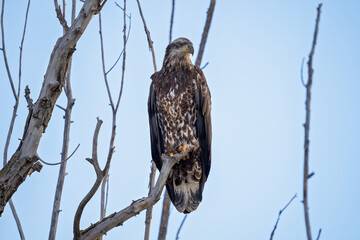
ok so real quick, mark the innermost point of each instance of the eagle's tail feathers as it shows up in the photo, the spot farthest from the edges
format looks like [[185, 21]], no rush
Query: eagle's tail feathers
[[186, 197]]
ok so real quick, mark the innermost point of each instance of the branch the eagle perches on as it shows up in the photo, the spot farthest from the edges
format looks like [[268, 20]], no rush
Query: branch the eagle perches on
[[118, 218]]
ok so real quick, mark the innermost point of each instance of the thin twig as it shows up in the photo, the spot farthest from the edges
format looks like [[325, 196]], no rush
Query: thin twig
[[207, 63], [278, 218], [153, 167], [17, 95], [209, 16], [301, 73], [171, 20], [307, 127], [4, 51], [318, 236], [150, 42], [181, 225], [99, 176], [114, 112], [124, 58], [62, 108], [61, 162], [107, 192], [103, 64], [17, 219], [127, 38]]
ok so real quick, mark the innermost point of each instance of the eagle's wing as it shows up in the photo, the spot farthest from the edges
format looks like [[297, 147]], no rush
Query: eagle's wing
[[157, 146], [203, 112]]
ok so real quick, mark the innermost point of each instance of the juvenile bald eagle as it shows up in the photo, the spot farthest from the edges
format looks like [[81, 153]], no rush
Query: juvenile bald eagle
[[179, 109]]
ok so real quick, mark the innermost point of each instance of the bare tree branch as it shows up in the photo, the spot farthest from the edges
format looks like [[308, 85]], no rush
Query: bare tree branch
[[114, 108], [61, 162], [148, 215], [16, 170], [66, 139], [12, 122], [124, 57], [164, 216], [127, 38], [118, 218], [209, 16], [4, 52], [318, 236], [307, 127], [278, 218], [153, 167], [103, 64], [61, 16], [99, 176], [181, 225], [171, 20], [150, 42], [17, 220]]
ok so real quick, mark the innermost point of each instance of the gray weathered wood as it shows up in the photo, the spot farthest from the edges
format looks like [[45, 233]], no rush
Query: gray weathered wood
[[16, 170]]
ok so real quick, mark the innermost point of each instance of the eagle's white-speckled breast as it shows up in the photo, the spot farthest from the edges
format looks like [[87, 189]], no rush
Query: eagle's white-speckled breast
[[177, 117]]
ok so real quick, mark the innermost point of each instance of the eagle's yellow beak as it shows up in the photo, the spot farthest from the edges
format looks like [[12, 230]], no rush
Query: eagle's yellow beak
[[188, 49]]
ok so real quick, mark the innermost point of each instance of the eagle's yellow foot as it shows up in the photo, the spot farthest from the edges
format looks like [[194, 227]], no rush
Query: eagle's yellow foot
[[183, 147], [179, 149]]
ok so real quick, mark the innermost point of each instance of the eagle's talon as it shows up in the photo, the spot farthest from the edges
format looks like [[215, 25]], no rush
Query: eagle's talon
[[171, 154]]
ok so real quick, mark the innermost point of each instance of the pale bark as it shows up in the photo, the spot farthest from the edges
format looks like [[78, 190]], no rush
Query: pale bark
[[16, 170]]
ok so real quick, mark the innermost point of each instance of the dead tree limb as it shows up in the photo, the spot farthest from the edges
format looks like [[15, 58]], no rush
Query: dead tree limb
[[307, 127], [99, 177], [205, 33], [118, 218], [278, 218], [66, 139], [14, 173]]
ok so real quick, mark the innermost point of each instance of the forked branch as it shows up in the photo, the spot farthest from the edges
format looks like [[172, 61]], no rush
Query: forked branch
[[99, 177]]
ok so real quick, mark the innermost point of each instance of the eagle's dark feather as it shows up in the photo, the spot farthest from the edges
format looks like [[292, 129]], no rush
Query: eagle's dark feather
[[179, 109]]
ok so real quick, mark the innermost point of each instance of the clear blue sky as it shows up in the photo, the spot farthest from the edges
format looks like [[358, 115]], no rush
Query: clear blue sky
[[254, 50]]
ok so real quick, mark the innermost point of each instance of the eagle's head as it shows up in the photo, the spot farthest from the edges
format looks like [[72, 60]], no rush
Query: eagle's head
[[178, 53]]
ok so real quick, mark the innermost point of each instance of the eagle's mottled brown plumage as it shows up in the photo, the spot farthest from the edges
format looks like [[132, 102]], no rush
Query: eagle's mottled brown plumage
[[179, 109]]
